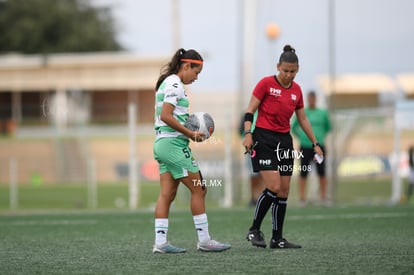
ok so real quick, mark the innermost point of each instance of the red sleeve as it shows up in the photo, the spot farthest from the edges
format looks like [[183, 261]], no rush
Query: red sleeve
[[260, 90], [300, 104]]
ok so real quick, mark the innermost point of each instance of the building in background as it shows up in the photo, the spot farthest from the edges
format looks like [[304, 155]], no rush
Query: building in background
[[76, 88]]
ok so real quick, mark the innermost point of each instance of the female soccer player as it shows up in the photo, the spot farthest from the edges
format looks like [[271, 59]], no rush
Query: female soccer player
[[171, 150], [276, 98]]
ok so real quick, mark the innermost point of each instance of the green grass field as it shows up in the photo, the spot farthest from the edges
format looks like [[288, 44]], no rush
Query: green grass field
[[336, 240], [65, 196], [54, 231]]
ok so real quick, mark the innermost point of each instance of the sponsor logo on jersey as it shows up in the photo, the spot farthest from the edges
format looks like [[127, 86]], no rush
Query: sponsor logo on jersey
[[171, 95], [275, 92], [265, 162]]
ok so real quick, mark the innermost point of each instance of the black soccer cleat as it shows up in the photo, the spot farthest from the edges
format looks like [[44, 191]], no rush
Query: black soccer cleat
[[256, 237], [283, 244]]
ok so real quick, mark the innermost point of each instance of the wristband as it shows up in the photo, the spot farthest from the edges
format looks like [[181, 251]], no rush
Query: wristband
[[247, 132], [316, 144], [248, 117]]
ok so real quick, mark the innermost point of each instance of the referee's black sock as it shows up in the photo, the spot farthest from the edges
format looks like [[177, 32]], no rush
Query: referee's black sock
[[278, 217], [263, 204]]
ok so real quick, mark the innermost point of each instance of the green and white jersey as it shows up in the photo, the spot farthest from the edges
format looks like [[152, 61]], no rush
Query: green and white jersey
[[171, 91]]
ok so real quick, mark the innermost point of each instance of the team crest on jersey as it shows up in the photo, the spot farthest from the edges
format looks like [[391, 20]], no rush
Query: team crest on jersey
[[275, 92], [293, 96]]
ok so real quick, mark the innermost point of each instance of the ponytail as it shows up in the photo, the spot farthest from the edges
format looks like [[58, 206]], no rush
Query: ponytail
[[181, 56]]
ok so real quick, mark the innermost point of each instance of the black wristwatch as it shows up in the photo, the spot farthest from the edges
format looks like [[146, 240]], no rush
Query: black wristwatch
[[316, 144]]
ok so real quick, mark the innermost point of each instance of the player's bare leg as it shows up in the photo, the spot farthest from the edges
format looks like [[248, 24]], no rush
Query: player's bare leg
[[323, 190], [168, 191], [198, 209], [302, 191]]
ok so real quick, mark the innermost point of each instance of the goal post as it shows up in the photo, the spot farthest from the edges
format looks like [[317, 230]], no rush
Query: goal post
[[133, 181]]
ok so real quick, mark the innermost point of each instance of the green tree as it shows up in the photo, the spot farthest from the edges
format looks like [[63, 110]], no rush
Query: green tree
[[53, 26]]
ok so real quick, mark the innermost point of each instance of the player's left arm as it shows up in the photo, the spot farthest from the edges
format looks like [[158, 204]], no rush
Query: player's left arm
[[295, 126], [307, 128]]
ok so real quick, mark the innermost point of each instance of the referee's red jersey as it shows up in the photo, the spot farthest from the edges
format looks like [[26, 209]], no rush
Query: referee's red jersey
[[277, 104]]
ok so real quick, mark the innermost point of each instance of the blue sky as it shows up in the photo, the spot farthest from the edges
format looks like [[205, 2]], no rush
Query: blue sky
[[370, 35]]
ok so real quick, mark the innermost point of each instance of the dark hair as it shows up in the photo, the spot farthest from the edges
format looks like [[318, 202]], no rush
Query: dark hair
[[312, 93], [288, 55], [174, 65]]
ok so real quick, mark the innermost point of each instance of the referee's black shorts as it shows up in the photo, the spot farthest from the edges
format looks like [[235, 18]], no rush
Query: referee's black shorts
[[272, 151], [307, 159]]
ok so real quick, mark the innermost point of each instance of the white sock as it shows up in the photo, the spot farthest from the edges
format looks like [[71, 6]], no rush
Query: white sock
[[161, 230], [201, 225]]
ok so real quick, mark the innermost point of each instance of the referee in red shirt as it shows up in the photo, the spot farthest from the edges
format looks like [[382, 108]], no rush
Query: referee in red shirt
[[276, 98]]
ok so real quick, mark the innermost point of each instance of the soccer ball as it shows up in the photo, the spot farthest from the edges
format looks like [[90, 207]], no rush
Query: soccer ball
[[201, 122]]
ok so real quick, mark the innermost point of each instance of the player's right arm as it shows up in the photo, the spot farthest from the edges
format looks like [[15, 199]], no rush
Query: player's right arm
[[168, 117]]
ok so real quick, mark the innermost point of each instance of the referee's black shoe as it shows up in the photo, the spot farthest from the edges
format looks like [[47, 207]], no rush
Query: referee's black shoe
[[283, 244], [256, 237]]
